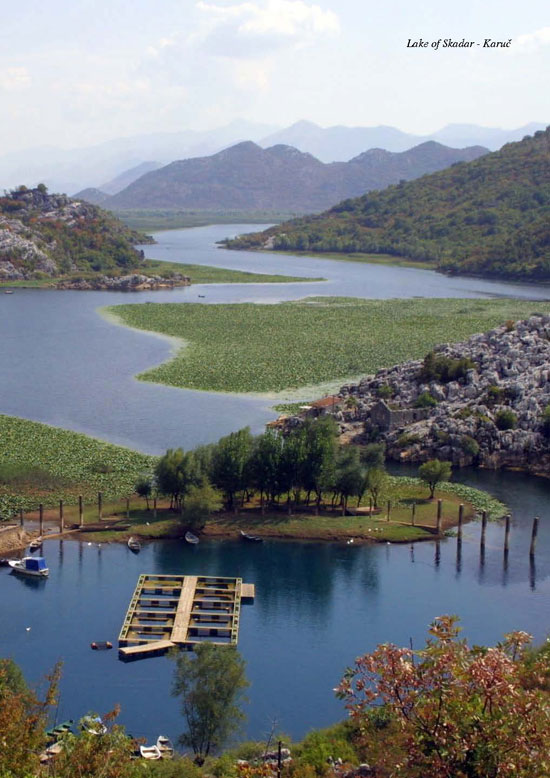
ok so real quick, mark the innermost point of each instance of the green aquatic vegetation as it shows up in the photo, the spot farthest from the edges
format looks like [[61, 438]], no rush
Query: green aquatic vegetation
[[249, 347], [43, 464]]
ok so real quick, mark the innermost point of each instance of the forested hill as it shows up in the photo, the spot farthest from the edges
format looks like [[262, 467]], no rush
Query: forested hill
[[49, 235], [490, 216]]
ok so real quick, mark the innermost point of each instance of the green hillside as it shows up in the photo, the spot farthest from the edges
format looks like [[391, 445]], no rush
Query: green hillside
[[490, 217]]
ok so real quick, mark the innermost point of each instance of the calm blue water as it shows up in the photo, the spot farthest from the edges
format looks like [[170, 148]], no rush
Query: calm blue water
[[317, 605]]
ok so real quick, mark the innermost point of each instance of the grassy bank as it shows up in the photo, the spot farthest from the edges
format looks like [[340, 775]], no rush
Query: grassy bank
[[43, 464], [270, 348], [370, 259], [207, 274], [154, 219]]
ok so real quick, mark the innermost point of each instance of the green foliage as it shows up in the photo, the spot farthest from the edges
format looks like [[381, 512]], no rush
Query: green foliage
[[495, 395], [230, 463], [506, 419], [384, 391], [545, 422], [231, 348], [444, 369], [12, 680], [375, 482], [320, 745], [408, 439], [464, 413], [433, 472], [39, 463], [210, 687], [469, 445], [373, 455], [490, 216], [200, 503], [174, 475], [425, 400]]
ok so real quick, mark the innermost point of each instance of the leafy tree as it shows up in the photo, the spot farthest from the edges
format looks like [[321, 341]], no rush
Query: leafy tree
[[201, 501], [319, 456], [349, 479], [264, 464], [144, 488], [291, 465], [506, 419], [373, 455], [210, 687], [230, 459], [173, 476], [433, 472], [375, 481], [425, 400], [451, 710]]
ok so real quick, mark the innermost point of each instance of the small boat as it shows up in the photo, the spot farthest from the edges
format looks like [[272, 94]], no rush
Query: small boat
[[8, 291], [164, 745], [30, 565], [34, 545], [134, 545], [190, 538], [93, 725], [101, 645], [60, 729], [251, 538], [150, 752]]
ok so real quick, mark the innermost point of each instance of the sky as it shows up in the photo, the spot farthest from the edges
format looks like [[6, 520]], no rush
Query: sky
[[79, 72]]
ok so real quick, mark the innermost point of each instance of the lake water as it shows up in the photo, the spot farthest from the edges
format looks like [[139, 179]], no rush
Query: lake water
[[317, 605], [64, 364]]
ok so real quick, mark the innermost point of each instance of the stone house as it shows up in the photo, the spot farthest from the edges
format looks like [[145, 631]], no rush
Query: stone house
[[388, 419]]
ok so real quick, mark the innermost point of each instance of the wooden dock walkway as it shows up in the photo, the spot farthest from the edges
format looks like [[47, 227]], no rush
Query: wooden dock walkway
[[168, 611]]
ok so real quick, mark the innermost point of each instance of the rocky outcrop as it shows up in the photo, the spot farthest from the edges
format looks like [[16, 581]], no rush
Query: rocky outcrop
[[492, 415], [12, 538], [130, 283]]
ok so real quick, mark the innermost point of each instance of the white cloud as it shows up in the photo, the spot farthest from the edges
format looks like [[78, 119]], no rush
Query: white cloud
[[14, 79], [534, 40], [252, 29]]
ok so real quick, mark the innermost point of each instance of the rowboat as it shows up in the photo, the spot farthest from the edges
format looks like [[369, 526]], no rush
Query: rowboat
[[101, 645], [251, 538], [93, 725], [30, 565], [150, 752], [134, 545], [164, 745], [34, 545], [190, 538]]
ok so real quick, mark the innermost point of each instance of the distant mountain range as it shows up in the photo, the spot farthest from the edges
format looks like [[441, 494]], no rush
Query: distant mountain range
[[489, 217], [280, 178], [71, 170]]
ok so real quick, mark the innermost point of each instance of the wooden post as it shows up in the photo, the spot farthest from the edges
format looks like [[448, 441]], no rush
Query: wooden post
[[413, 513], [389, 510], [370, 506], [460, 519], [534, 533], [483, 529], [80, 511], [154, 507], [41, 518], [438, 526], [127, 507], [100, 505], [507, 534], [21, 517], [61, 517]]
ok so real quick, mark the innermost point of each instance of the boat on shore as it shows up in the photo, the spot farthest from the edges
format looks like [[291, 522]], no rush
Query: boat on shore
[[191, 538], [251, 538], [93, 725], [34, 566], [150, 752], [134, 545], [164, 745]]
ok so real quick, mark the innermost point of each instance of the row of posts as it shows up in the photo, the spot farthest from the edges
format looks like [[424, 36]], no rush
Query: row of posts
[[80, 513]]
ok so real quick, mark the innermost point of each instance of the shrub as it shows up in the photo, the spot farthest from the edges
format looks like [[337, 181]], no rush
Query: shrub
[[510, 325], [406, 439], [384, 391], [425, 400], [464, 413], [444, 369], [506, 419], [545, 423], [469, 445], [495, 395]]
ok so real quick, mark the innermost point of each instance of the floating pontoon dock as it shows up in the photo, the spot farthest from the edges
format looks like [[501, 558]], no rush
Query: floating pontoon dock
[[182, 610]]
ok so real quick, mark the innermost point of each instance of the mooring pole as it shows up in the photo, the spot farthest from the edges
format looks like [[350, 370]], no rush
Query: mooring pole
[[370, 506], [438, 526], [80, 511], [127, 507], [61, 518], [154, 507], [460, 519], [413, 513], [21, 517], [534, 533], [389, 510], [100, 505], [279, 760], [507, 534], [483, 530], [41, 519]]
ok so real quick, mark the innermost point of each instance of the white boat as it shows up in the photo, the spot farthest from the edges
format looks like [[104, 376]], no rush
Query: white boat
[[93, 725], [150, 752], [34, 545], [134, 545], [30, 565], [164, 745], [190, 538]]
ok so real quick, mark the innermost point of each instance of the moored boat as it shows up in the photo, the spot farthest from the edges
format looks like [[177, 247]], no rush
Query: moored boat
[[150, 752], [93, 725], [30, 565], [34, 545], [164, 745], [251, 538], [134, 545], [101, 645], [191, 538]]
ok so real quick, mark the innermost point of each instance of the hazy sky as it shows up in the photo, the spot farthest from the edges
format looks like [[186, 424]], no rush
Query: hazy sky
[[75, 72]]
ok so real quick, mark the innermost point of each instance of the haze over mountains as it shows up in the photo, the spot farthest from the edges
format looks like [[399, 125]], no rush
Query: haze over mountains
[[247, 177], [71, 170]]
